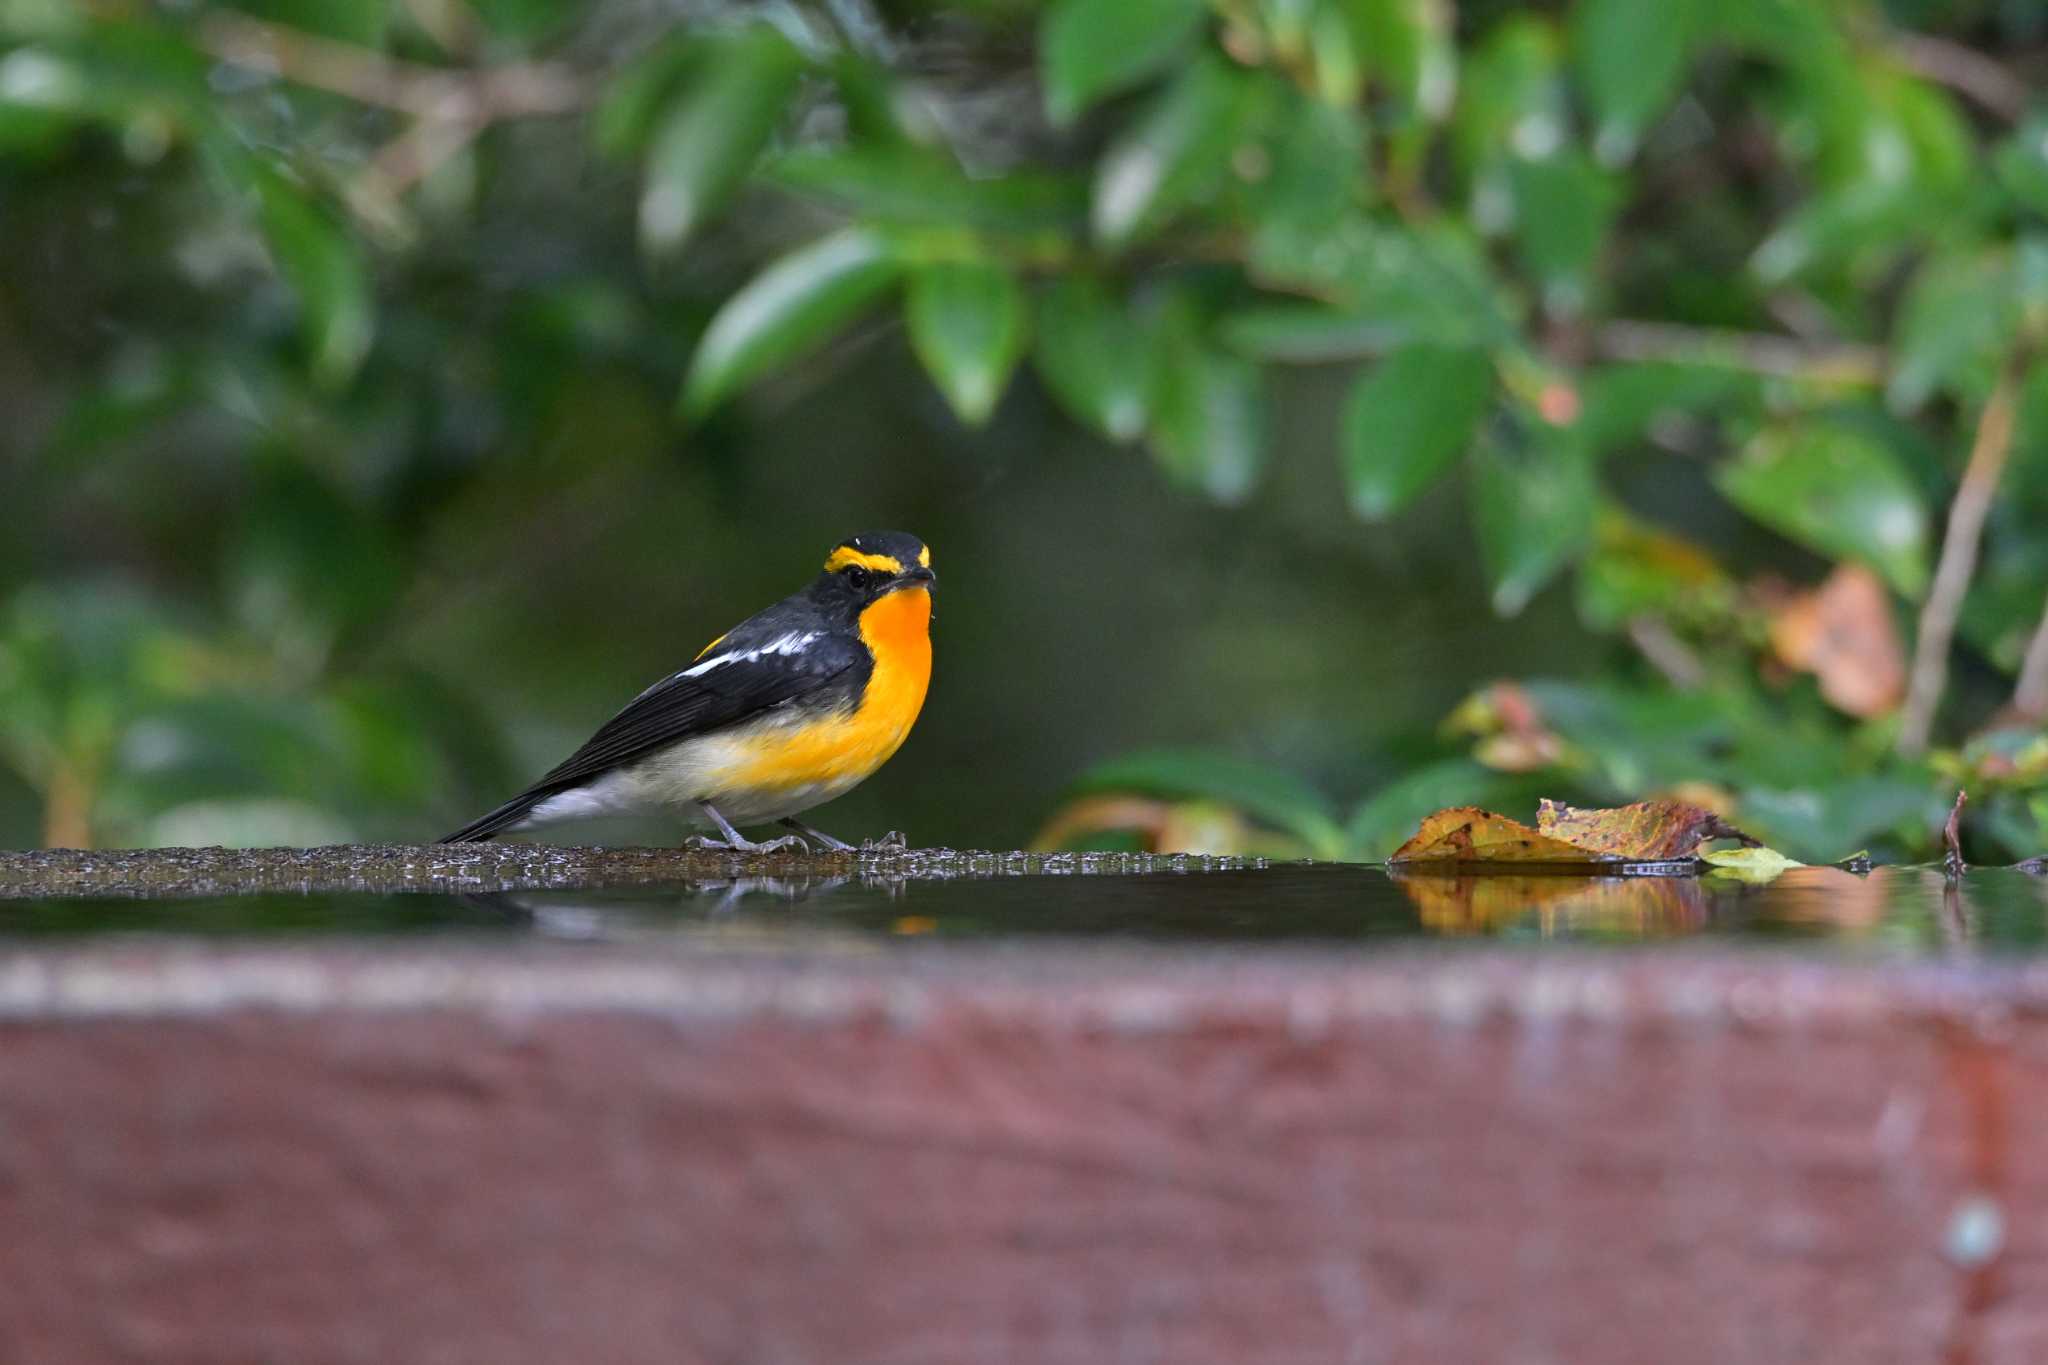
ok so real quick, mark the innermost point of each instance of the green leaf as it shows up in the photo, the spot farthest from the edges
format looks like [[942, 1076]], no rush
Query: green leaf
[[1095, 357], [1816, 822], [1309, 333], [361, 23], [1407, 419], [1631, 59], [1620, 403], [711, 133], [1407, 46], [1564, 206], [1317, 181], [1838, 492], [1837, 227], [2022, 163], [793, 305], [967, 325], [1534, 510], [1385, 284], [1756, 866], [527, 22], [1955, 326], [1176, 153], [1636, 569], [1092, 48], [1270, 795], [633, 99], [916, 185], [1209, 426], [320, 262], [876, 112], [1514, 101], [1340, 79]]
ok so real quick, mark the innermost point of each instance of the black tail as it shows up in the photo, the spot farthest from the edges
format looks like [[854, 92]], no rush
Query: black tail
[[498, 821]]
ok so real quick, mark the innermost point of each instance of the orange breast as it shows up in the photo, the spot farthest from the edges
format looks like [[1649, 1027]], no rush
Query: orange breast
[[840, 751]]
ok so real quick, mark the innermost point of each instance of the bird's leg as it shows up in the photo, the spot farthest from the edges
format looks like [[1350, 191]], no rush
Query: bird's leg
[[737, 842], [894, 839], [817, 835]]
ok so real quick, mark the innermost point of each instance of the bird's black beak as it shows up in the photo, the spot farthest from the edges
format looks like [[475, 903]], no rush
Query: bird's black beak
[[916, 576]]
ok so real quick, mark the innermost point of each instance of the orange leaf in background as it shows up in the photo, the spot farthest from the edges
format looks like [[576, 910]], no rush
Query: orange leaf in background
[[1161, 826], [1843, 634], [1509, 728], [1649, 831], [1467, 834]]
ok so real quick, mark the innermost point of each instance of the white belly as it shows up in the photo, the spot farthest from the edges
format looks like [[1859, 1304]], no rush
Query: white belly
[[672, 782]]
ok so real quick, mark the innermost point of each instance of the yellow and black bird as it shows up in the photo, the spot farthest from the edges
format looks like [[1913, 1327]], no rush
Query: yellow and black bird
[[790, 708]]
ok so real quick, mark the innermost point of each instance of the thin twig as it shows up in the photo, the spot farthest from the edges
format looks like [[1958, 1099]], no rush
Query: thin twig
[[1952, 838], [512, 90], [403, 162], [1759, 352], [1965, 70], [449, 109], [1677, 661], [1958, 558], [452, 24], [2030, 697]]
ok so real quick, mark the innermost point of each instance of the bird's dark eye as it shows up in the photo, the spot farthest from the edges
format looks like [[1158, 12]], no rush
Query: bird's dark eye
[[858, 577]]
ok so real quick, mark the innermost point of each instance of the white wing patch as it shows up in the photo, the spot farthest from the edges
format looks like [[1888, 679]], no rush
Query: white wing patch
[[793, 643]]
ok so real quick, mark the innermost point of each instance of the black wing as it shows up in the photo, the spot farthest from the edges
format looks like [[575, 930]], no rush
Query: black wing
[[684, 705]]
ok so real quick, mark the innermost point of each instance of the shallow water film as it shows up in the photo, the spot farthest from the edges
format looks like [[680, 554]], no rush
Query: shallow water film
[[575, 894]]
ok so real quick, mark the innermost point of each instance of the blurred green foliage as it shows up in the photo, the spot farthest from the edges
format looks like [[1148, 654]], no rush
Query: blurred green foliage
[[312, 312]]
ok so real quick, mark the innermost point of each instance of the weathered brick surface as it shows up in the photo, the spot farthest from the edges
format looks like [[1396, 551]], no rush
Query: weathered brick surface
[[428, 1155]]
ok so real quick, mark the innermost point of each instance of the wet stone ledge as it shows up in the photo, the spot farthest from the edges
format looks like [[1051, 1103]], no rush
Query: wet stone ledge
[[502, 1155], [470, 868]]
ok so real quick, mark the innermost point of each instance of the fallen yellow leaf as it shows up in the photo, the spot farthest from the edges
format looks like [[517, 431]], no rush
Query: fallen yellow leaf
[[1466, 834], [1754, 865]]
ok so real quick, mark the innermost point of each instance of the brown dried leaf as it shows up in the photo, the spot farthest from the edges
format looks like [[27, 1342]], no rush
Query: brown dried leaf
[[1466, 834], [1649, 831], [1843, 633]]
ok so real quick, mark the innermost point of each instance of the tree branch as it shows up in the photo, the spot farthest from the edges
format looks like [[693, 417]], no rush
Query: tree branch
[[513, 90], [448, 109], [1759, 352], [2030, 697], [1959, 557], [1966, 71], [1672, 657]]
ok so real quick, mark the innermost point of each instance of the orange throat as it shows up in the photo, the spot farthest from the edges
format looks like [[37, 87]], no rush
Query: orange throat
[[898, 631], [826, 756]]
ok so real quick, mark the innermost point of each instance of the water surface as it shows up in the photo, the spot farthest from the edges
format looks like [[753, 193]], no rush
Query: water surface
[[1910, 911]]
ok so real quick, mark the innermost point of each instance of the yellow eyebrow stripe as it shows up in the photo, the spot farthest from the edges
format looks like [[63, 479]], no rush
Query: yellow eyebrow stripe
[[924, 557], [846, 556]]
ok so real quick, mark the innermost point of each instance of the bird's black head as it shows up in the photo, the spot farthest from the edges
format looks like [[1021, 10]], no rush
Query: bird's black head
[[871, 565]]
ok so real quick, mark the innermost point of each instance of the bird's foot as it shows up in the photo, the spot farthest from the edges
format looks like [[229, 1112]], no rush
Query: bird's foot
[[736, 842], [895, 840], [741, 844], [817, 836]]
